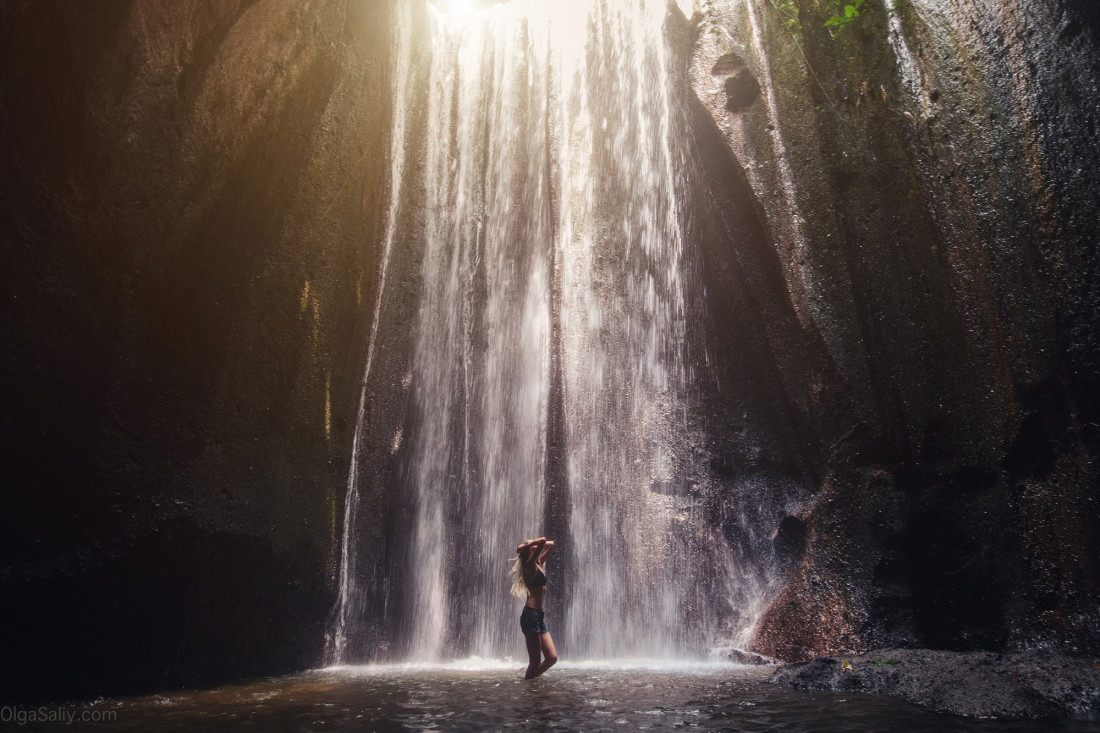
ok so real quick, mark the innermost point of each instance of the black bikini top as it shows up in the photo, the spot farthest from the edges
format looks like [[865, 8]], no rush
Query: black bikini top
[[540, 578]]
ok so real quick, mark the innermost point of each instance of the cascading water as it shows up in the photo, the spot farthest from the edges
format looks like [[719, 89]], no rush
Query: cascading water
[[336, 644], [480, 373], [553, 263]]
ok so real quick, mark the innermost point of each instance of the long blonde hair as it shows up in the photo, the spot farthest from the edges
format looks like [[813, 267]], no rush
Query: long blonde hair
[[519, 588]]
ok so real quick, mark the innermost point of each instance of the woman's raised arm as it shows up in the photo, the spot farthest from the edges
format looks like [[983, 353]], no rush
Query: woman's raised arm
[[539, 546]]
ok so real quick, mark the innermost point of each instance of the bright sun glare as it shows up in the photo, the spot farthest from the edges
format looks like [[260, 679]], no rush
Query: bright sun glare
[[460, 6], [467, 7]]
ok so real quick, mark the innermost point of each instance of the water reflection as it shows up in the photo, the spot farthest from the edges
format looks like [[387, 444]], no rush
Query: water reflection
[[490, 695]]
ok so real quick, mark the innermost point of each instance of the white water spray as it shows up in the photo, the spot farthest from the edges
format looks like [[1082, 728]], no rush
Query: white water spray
[[550, 174]]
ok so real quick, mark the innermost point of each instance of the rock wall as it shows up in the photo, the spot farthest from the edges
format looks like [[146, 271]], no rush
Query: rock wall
[[192, 203], [929, 171]]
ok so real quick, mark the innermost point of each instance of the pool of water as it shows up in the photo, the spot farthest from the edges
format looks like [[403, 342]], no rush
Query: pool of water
[[477, 696]]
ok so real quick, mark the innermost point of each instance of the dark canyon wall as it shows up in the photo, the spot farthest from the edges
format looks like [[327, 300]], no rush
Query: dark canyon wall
[[930, 171], [192, 200]]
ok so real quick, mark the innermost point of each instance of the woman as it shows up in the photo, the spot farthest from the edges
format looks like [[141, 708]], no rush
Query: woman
[[529, 582]]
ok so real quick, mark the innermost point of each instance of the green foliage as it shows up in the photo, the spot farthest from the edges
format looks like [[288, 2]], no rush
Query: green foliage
[[851, 13], [886, 662], [713, 26], [789, 10]]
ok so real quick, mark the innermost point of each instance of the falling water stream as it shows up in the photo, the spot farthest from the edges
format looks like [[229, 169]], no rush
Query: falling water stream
[[549, 382]]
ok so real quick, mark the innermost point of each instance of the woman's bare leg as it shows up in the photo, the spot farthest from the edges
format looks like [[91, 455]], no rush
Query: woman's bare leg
[[534, 652], [549, 653], [540, 645]]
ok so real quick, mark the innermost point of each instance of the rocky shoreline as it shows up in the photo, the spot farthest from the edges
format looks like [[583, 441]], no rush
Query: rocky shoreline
[[1034, 684]]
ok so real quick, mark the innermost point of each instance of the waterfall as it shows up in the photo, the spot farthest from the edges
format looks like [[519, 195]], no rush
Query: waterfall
[[336, 643], [481, 368], [554, 283], [908, 68]]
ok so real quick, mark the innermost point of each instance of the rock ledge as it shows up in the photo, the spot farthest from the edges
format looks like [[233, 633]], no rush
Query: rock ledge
[[976, 684]]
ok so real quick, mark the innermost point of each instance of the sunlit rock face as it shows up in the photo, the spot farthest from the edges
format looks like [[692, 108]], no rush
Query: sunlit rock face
[[192, 201], [930, 172]]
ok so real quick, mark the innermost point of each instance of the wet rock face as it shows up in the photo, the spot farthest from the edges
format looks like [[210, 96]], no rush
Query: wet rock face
[[790, 541], [977, 684], [930, 177], [741, 87], [191, 200]]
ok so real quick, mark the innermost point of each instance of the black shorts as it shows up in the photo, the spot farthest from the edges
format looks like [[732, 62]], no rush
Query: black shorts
[[532, 621]]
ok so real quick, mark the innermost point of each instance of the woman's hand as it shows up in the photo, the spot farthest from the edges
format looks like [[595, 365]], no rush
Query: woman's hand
[[535, 543]]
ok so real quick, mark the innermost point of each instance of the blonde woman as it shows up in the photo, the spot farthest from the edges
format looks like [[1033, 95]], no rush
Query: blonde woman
[[529, 583]]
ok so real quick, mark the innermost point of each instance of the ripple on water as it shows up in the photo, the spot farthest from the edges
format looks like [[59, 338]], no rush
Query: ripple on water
[[492, 696]]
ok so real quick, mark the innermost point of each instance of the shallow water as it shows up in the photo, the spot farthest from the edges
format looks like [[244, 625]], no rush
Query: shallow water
[[475, 696]]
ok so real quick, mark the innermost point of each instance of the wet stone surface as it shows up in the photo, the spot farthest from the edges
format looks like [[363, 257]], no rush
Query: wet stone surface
[[977, 684], [571, 697]]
